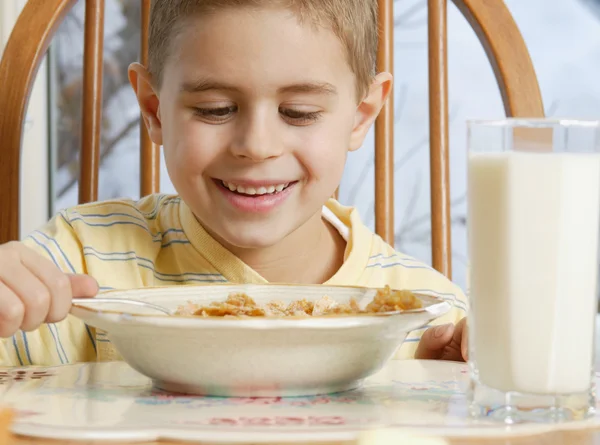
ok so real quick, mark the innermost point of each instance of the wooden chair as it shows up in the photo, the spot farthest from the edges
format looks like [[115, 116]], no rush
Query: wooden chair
[[39, 20]]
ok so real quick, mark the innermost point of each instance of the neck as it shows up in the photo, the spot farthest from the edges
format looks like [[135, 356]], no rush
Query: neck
[[312, 254]]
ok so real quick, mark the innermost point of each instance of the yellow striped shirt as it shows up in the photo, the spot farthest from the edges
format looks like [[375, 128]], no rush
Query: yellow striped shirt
[[157, 241]]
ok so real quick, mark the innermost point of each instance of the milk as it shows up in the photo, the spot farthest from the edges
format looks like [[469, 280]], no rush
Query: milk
[[533, 237]]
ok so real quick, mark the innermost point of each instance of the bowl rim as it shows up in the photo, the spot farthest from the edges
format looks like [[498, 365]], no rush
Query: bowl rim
[[438, 307]]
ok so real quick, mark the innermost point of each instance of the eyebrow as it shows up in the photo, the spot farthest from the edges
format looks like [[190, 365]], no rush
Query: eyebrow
[[202, 85], [310, 88]]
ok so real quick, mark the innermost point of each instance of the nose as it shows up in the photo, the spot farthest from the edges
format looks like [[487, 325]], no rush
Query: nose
[[256, 138]]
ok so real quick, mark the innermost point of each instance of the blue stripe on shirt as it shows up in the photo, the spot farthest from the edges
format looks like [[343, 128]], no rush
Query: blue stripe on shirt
[[166, 232], [154, 212], [107, 215], [216, 278], [14, 339], [27, 347], [62, 253], [380, 257], [406, 266], [89, 332], [176, 241], [138, 222], [43, 246], [183, 279], [64, 218], [132, 256], [162, 202], [156, 237], [57, 342]]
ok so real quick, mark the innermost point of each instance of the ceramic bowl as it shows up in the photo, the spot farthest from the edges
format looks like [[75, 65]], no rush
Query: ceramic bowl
[[254, 357]]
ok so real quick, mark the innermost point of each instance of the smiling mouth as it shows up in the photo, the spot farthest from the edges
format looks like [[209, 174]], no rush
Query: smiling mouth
[[254, 191]]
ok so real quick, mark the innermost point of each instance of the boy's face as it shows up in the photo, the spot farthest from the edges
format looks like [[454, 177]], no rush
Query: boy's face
[[256, 113]]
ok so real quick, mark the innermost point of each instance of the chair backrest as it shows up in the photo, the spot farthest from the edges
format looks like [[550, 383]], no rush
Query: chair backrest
[[39, 20]]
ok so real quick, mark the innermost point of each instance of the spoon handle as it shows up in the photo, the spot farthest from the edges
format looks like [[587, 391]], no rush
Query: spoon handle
[[101, 300]]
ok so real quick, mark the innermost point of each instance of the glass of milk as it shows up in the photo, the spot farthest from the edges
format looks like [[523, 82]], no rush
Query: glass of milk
[[534, 225]]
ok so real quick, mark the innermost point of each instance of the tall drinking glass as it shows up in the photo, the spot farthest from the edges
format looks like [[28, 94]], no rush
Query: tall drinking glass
[[534, 226]]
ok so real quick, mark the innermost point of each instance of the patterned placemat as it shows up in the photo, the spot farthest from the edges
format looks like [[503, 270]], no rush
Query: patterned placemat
[[98, 401]]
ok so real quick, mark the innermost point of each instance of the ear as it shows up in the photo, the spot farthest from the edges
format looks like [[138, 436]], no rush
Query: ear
[[368, 110], [141, 81]]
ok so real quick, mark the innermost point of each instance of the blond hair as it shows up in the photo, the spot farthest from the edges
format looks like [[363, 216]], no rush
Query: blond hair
[[354, 22]]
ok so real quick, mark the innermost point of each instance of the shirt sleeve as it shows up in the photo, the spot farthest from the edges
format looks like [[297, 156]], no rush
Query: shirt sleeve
[[70, 340]]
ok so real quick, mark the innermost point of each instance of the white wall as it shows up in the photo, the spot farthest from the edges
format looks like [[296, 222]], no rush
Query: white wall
[[34, 161]]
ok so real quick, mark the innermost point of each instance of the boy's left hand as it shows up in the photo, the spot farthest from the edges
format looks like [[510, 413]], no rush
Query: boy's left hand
[[444, 342]]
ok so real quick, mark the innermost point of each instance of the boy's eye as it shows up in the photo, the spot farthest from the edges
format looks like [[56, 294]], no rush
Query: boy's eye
[[222, 114], [297, 117], [219, 114]]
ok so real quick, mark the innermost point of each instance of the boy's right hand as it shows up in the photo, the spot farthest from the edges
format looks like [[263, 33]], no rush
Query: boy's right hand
[[34, 291]]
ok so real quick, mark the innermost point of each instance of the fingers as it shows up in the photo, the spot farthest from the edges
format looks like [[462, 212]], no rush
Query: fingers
[[464, 343], [454, 351], [11, 311], [33, 293], [56, 290], [33, 290], [83, 286], [445, 342], [434, 341]]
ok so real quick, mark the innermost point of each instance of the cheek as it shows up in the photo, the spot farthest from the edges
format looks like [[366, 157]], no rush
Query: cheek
[[323, 154], [190, 145], [324, 151]]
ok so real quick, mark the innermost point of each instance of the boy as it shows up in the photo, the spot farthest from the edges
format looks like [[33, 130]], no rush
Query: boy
[[256, 103]]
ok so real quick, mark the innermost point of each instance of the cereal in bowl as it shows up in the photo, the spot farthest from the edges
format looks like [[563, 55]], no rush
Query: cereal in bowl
[[241, 305]]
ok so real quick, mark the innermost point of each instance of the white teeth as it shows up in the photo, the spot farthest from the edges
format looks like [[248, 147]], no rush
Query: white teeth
[[255, 191]]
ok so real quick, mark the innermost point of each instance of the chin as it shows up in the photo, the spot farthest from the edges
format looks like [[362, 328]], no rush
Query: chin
[[251, 240], [249, 235]]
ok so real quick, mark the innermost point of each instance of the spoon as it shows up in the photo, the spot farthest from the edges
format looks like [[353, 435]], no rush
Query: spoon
[[91, 301]]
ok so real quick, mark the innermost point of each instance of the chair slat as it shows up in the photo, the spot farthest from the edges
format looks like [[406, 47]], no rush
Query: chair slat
[[149, 154], [384, 131], [506, 50], [92, 100], [20, 62], [438, 132]]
